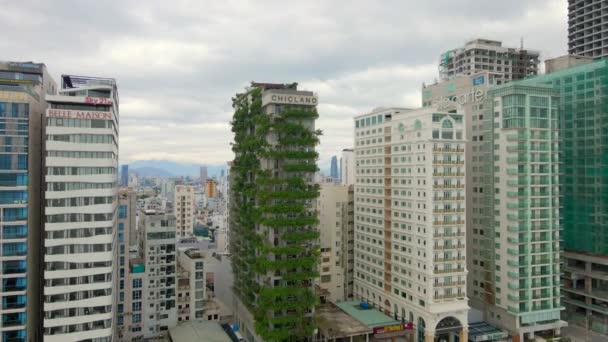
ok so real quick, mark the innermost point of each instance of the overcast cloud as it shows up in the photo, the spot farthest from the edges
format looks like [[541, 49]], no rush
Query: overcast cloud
[[178, 63]]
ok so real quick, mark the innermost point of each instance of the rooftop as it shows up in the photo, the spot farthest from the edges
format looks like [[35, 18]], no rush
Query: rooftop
[[194, 331], [370, 317], [336, 323], [482, 331]]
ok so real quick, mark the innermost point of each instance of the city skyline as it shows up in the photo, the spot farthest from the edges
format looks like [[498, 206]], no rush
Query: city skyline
[[196, 72]]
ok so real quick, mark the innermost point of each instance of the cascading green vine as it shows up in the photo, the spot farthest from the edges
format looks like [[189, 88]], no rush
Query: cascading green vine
[[274, 234]]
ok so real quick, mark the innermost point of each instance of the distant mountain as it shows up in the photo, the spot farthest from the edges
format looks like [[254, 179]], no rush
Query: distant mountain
[[145, 171], [172, 168]]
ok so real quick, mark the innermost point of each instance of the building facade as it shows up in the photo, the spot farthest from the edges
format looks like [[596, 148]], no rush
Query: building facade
[[23, 87], [523, 209], [333, 171], [587, 29], [335, 206], [203, 174], [273, 225], [127, 240], [410, 218], [81, 188], [584, 185], [347, 167], [157, 308], [211, 189], [184, 210], [503, 63], [124, 176]]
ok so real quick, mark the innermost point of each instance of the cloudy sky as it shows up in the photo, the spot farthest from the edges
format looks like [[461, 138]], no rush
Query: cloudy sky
[[179, 62]]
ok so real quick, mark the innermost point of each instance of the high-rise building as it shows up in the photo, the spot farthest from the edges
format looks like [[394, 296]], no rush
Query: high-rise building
[[210, 188], [587, 28], [184, 210], [503, 63], [335, 206], [584, 188], [522, 215], [23, 87], [127, 240], [467, 93], [491, 241], [273, 224], [81, 187], [410, 218], [333, 171], [157, 307], [124, 176], [204, 176], [347, 167]]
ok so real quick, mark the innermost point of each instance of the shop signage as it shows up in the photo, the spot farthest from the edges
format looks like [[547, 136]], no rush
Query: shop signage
[[97, 100], [12, 96], [78, 114], [393, 328], [474, 96]]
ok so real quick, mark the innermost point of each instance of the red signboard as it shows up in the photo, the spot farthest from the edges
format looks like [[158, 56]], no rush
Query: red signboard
[[97, 100], [393, 328], [78, 114]]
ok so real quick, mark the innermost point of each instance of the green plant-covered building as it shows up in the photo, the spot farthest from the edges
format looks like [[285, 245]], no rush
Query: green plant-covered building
[[273, 223]]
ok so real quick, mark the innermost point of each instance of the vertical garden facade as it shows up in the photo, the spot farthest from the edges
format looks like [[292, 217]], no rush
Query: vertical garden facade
[[274, 225]]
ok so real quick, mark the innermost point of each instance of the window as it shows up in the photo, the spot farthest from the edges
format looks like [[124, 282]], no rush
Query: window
[[136, 317], [136, 306], [137, 283]]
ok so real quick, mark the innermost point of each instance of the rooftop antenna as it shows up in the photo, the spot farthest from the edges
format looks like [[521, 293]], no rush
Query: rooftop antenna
[[522, 42]]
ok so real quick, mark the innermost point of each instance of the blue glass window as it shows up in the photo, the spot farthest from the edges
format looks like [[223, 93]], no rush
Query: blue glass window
[[14, 214], [22, 162], [122, 212], [14, 232], [13, 319], [121, 237], [13, 302], [14, 266], [13, 179], [136, 317], [2, 109], [14, 284], [14, 336], [14, 249], [13, 197]]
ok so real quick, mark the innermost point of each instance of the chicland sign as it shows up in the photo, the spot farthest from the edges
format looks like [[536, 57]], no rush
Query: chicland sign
[[289, 99]]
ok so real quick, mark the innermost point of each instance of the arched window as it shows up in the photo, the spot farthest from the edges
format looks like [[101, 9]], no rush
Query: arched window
[[447, 129]]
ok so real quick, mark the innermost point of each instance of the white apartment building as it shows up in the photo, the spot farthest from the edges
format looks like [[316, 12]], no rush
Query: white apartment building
[[335, 206], [81, 202], [347, 167], [191, 285], [184, 210], [157, 248], [410, 257]]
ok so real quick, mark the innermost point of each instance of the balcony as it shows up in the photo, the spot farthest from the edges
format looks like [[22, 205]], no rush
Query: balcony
[[444, 247], [449, 296], [447, 223], [451, 270]]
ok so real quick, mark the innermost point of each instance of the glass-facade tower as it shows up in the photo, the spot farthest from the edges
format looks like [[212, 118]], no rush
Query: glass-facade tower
[[22, 88], [583, 114]]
